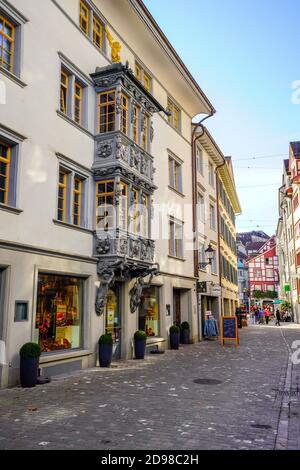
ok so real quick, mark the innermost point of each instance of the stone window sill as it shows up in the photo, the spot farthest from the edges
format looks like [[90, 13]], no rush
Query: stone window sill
[[178, 258], [74, 123], [13, 77], [11, 209], [176, 191], [61, 356], [72, 226]]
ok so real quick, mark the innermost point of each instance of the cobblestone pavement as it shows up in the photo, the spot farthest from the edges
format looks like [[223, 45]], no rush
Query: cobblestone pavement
[[155, 404]]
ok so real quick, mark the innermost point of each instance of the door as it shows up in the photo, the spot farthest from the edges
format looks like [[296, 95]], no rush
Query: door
[[113, 319], [176, 307]]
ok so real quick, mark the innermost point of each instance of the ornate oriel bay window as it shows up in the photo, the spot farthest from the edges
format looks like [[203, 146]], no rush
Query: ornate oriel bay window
[[124, 173]]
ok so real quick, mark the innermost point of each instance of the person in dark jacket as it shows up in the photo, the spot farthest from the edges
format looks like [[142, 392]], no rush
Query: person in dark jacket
[[278, 318]]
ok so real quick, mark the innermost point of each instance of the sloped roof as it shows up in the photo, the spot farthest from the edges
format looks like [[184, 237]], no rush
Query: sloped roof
[[295, 146]]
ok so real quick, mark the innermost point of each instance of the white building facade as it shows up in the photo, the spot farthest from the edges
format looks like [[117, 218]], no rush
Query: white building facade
[[95, 172]]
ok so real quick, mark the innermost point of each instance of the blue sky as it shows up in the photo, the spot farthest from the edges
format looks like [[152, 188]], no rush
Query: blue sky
[[245, 56]]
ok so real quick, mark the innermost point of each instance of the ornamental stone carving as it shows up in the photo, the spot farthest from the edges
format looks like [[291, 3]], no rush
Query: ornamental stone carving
[[104, 246], [105, 148], [134, 248], [106, 271]]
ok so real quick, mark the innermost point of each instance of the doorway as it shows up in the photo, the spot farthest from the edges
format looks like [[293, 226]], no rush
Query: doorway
[[177, 307], [113, 324]]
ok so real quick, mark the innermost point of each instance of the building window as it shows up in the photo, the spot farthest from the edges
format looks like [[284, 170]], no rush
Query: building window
[[71, 197], [105, 194], [78, 93], [59, 312], [149, 311], [97, 32], [200, 163], [145, 215], [77, 200], [64, 92], [134, 211], [62, 196], [84, 17], [175, 174], [7, 43], [176, 239], [124, 114], [143, 77], [135, 124], [201, 253], [123, 207], [214, 268], [107, 111], [211, 175], [5, 162], [201, 207], [212, 217], [145, 132], [174, 118], [147, 82], [269, 273], [72, 96], [257, 273]]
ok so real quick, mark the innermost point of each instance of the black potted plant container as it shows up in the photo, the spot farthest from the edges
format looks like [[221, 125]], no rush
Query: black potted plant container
[[140, 344], [185, 332], [174, 337], [105, 350], [29, 362]]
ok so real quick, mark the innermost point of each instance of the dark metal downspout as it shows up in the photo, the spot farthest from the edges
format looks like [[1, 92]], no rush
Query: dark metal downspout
[[194, 189]]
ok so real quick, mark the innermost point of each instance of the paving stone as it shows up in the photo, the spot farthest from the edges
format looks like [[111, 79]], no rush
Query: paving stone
[[155, 404]]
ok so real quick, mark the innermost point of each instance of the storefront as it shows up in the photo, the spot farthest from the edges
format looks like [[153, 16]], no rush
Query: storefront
[[149, 311], [113, 324], [58, 323]]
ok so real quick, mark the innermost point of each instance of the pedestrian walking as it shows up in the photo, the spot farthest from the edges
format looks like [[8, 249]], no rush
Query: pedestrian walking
[[278, 318], [267, 315]]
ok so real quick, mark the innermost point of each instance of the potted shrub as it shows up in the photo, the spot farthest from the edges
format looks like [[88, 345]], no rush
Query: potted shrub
[[29, 362], [140, 344], [185, 332], [174, 337], [105, 350]]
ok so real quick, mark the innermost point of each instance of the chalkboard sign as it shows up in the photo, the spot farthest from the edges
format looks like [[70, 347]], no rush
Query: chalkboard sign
[[229, 329]]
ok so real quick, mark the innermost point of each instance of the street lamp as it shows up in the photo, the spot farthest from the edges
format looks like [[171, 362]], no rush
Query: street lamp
[[210, 253]]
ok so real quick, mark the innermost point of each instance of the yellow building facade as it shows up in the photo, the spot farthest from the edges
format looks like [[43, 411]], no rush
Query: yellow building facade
[[228, 208]]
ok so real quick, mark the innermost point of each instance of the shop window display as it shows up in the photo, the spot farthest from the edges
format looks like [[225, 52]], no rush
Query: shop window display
[[149, 311], [59, 312]]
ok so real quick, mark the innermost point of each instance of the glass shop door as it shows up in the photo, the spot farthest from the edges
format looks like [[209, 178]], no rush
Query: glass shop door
[[113, 319]]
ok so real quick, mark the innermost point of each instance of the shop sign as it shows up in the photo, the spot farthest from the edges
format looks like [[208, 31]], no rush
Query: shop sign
[[201, 287]]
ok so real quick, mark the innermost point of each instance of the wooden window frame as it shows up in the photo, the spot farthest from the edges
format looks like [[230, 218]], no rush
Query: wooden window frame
[[77, 192], [79, 97], [147, 82], [96, 34], [62, 185], [106, 105], [136, 227], [82, 17], [145, 216], [175, 174], [145, 132], [7, 162], [124, 113], [11, 39], [138, 72], [175, 243], [105, 195], [135, 124], [64, 91], [174, 122], [123, 197]]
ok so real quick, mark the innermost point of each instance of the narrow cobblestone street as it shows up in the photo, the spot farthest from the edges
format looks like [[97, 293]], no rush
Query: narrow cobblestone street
[[155, 404]]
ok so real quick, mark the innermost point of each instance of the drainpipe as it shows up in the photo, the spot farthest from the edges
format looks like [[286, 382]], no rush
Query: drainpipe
[[194, 188], [195, 220]]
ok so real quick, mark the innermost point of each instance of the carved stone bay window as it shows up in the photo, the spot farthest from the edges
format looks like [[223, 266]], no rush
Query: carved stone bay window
[[124, 173]]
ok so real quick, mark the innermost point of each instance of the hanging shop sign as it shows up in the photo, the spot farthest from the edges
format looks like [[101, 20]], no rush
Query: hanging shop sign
[[201, 287]]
